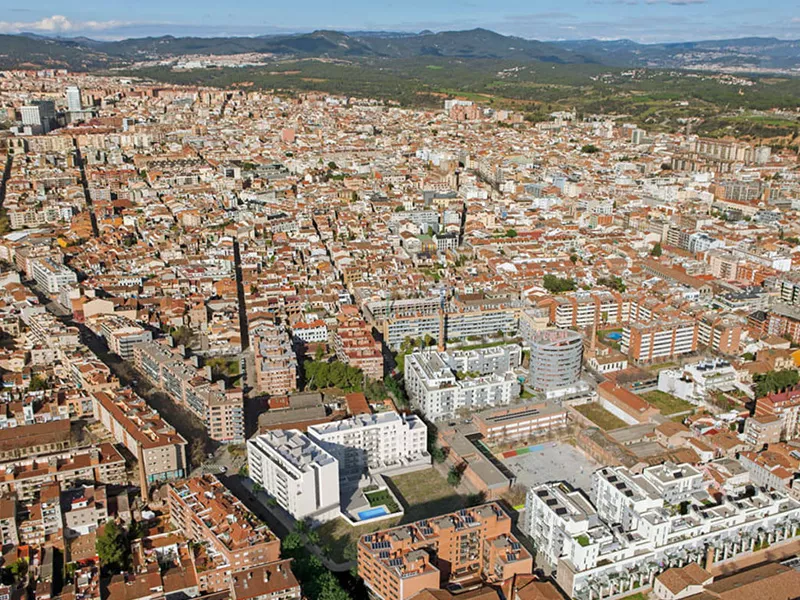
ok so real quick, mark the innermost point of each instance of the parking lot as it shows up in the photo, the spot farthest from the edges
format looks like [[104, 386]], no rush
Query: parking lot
[[553, 461]]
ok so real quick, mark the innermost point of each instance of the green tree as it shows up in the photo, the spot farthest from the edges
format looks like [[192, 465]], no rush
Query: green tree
[[511, 233], [38, 384], [558, 285], [589, 149], [775, 381], [19, 569], [112, 547], [454, 476], [656, 250]]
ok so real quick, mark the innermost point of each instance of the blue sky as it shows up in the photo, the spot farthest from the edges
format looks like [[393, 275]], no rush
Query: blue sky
[[640, 20]]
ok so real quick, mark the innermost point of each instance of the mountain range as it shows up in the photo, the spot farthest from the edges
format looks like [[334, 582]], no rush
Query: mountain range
[[81, 54]]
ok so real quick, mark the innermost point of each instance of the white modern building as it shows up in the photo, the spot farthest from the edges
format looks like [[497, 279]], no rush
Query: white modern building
[[442, 384], [51, 276], [378, 443], [639, 526], [302, 477], [694, 382]]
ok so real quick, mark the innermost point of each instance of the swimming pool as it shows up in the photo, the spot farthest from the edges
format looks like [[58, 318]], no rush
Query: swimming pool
[[614, 335], [371, 513]]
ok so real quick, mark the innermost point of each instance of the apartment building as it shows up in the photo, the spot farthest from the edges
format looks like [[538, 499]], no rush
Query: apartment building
[[274, 581], [775, 468], [355, 345], [84, 510], [660, 340], [441, 384], [466, 316], [784, 405], [313, 332], [122, 334], [374, 443], [207, 512], [761, 430], [789, 289], [25, 476], [695, 382], [590, 309], [630, 535], [159, 449], [721, 334], [222, 411], [8, 523], [301, 476], [51, 276], [471, 545], [275, 360]]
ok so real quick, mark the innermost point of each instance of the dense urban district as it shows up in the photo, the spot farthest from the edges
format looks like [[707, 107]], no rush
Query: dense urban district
[[268, 347]]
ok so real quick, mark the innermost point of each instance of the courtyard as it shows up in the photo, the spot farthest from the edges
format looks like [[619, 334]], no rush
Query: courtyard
[[552, 461]]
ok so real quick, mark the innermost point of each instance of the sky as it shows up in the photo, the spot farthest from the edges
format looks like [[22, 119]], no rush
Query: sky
[[640, 20]]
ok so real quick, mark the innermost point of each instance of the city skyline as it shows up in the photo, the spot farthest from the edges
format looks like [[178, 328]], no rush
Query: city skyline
[[645, 21]]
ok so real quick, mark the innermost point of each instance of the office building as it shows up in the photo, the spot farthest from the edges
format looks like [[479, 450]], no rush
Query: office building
[[556, 359], [74, 99], [376, 443], [444, 384], [472, 545], [301, 476]]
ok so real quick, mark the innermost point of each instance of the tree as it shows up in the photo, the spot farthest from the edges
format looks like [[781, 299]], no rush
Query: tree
[[558, 285], [589, 149], [19, 569], [112, 547], [656, 251], [511, 233], [775, 381], [197, 452], [38, 384], [183, 336], [453, 476], [573, 258], [438, 454]]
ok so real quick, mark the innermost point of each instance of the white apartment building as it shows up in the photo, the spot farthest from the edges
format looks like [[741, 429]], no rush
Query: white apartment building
[[635, 531], [122, 334], [376, 443], [694, 382], [51, 276], [441, 384], [314, 332], [301, 476]]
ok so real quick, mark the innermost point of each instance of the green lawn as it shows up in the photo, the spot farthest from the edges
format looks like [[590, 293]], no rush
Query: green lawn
[[600, 416], [424, 494], [335, 536], [667, 403]]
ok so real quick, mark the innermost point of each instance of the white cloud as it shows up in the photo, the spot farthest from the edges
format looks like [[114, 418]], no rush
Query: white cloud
[[58, 24]]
